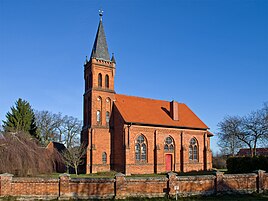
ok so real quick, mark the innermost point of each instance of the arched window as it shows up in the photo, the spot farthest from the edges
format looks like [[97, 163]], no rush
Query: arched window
[[104, 158], [171, 147], [100, 80], [107, 81], [141, 149], [193, 150], [98, 116], [107, 117], [169, 144], [166, 147], [138, 152]]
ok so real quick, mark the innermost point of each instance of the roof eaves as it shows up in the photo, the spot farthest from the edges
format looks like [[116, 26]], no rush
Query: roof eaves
[[162, 125]]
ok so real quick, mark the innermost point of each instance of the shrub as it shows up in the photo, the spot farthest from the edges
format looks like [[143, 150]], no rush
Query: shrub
[[21, 155], [247, 164], [219, 162]]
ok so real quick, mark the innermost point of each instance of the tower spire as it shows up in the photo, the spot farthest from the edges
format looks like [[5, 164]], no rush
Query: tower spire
[[100, 47]]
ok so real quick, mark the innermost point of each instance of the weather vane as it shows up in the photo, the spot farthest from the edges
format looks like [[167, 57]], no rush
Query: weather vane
[[100, 13]]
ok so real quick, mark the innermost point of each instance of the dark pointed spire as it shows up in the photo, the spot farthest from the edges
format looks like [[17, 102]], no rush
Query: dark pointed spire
[[100, 47]]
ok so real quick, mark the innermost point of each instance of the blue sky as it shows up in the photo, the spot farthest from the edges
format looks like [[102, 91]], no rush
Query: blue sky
[[211, 55]]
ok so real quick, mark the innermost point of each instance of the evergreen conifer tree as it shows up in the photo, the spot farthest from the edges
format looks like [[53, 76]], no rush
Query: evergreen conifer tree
[[21, 118]]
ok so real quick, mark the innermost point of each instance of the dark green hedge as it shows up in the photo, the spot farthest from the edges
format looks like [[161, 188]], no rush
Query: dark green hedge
[[247, 164]]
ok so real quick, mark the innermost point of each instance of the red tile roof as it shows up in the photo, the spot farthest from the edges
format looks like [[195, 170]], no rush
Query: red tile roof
[[259, 152], [155, 112]]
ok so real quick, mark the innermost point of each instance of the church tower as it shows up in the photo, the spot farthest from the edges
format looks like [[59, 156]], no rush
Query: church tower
[[99, 95]]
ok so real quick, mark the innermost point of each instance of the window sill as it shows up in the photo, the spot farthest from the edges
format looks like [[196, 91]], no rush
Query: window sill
[[141, 162], [193, 161]]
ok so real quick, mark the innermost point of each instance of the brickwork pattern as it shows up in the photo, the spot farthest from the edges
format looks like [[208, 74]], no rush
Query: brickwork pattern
[[155, 141], [121, 186], [192, 185]]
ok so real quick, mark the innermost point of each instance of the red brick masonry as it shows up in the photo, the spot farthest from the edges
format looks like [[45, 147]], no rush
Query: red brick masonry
[[122, 186]]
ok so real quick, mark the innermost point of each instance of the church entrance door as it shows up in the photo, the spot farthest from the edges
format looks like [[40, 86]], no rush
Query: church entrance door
[[168, 162]]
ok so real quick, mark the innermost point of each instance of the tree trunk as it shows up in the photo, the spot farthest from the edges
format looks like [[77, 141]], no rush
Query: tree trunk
[[254, 150], [251, 152], [76, 172]]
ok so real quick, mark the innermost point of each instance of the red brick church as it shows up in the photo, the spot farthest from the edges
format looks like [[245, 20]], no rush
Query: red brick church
[[136, 135]]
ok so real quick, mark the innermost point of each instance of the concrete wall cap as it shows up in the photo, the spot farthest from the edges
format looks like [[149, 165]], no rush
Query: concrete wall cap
[[64, 175], [147, 179], [218, 173], [257, 171], [196, 178], [34, 180], [92, 180], [240, 175], [6, 175], [171, 174], [119, 175]]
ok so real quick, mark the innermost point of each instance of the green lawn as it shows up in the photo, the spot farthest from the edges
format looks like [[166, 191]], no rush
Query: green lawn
[[95, 175], [112, 174]]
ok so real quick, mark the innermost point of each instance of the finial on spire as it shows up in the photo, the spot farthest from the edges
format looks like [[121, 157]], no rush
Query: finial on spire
[[86, 61], [113, 59], [100, 14]]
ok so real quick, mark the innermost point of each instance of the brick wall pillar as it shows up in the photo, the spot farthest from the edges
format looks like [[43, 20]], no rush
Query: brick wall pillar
[[260, 181], [64, 190], [120, 186], [219, 182], [5, 184], [172, 182]]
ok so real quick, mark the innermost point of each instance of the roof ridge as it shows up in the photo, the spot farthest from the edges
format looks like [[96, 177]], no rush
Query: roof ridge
[[147, 98]]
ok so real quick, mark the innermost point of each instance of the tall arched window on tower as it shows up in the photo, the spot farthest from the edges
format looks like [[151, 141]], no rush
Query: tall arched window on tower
[[98, 116], [100, 80], [104, 158], [193, 150], [140, 149], [169, 144], [107, 81], [107, 117]]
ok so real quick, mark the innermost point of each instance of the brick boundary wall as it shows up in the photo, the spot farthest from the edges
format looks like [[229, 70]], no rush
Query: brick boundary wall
[[122, 187]]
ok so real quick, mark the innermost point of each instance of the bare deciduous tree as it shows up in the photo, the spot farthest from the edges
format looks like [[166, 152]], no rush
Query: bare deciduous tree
[[55, 127], [229, 129], [46, 124], [254, 130], [249, 131], [72, 128], [73, 156]]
